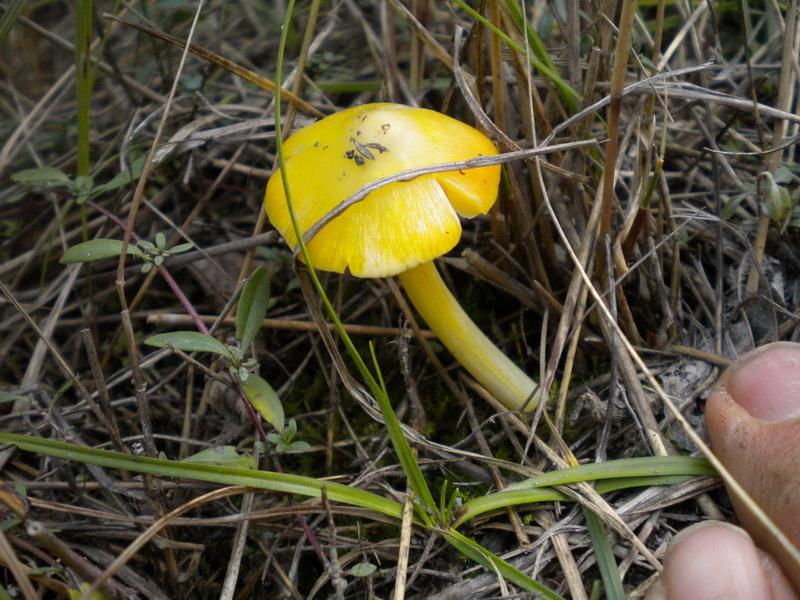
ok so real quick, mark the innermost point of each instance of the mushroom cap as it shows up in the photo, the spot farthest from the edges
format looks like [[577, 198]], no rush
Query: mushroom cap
[[400, 225]]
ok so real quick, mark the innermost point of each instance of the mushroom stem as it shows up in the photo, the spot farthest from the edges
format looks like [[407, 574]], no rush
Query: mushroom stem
[[476, 353]]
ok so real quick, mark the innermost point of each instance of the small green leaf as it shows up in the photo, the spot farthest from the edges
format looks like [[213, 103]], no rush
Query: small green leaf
[[82, 187], [10, 397], [222, 456], [264, 400], [9, 523], [783, 175], [181, 248], [777, 202], [96, 250], [161, 240], [44, 177], [252, 306], [188, 341], [363, 569], [122, 178], [236, 358], [11, 10], [731, 206]]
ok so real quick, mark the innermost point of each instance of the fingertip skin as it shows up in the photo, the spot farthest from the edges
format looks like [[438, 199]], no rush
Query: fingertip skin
[[718, 561], [754, 430], [712, 561], [753, 417], [766, 382]]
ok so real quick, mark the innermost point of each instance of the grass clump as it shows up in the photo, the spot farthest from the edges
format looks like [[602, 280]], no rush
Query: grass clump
[[157, 158]]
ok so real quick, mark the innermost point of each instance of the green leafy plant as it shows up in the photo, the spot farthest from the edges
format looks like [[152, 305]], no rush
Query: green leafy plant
[[284, 441], [81, 187], [362, 569], [253, 305], [222, 456], [208, 466], [153, 254]]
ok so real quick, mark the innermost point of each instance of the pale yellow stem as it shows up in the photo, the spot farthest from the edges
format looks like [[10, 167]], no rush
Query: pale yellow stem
[[476, 353]]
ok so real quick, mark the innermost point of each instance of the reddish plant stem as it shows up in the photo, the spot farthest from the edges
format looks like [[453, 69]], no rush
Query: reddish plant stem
[[262, 434], [312, 539], [187, 305]]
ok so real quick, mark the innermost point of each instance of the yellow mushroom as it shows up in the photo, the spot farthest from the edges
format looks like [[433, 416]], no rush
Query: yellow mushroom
[[400, 228]]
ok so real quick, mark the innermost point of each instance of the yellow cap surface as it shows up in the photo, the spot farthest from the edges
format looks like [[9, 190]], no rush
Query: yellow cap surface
[[399, 225]]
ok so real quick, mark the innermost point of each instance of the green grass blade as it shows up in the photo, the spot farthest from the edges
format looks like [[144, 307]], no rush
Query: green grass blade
[[604, 555], [534, 41], [9, 17], [83, 81], [264, 480], [504, 499], [539, 59], [645, 466], [612, 476], [406, 457], [624, 483], [510, 573], [252, 307]]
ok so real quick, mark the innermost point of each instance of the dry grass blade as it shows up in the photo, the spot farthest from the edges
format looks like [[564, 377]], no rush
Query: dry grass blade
[[411, 174], [137, 545], [232, 67], [18, 570], [734, 485], [632, 254]]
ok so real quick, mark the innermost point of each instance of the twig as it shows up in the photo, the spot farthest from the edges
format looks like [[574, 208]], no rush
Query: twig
[[405, 545], [411, 174], [103, 412], [281, 324]]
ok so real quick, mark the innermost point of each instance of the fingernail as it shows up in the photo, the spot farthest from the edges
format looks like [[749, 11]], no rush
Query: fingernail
[[712, 561], [766, 382], [709, 524]]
